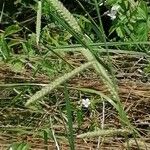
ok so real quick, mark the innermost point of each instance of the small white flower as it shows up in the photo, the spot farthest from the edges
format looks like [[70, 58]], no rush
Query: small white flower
[[10, 148], [113, 12], [86, 102]]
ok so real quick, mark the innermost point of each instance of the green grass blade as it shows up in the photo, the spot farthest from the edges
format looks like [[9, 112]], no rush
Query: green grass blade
[[69, 122], [2, 11], [4, 49], [45, 139]]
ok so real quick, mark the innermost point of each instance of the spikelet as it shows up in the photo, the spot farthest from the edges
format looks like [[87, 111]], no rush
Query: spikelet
[[56, 83], [62, 12]]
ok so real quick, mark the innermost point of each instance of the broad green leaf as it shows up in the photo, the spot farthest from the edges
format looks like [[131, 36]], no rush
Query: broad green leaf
[[4, 49], [142, 10]]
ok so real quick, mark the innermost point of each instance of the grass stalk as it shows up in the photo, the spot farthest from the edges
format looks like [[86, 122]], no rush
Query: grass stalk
[[70, 133], [56, 83], [38, 22]]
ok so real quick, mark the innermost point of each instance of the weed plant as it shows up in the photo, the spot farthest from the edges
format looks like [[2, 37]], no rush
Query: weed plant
[[39, 70]]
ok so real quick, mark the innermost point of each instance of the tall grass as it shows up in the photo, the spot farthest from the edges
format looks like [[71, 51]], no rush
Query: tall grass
[[66, 19], [88, 48]]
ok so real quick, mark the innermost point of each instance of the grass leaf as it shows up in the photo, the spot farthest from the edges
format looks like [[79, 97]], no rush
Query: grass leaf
[[69, 122]]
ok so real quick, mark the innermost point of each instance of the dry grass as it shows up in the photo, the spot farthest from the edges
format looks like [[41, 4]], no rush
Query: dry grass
[[134, 91]]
